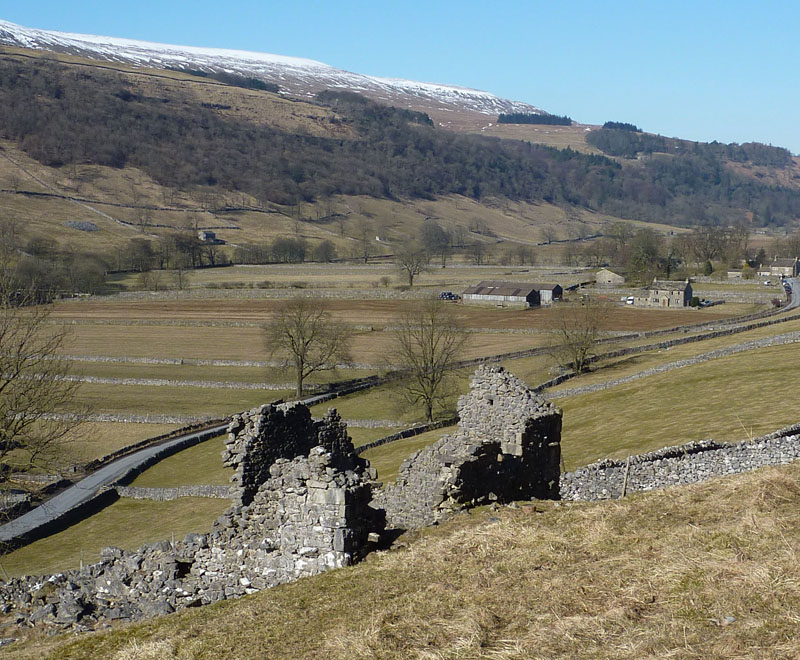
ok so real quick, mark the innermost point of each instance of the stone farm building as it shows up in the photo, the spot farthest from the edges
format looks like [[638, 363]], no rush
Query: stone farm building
[[784, 267], [511, 294], [605, 277], [666, 293]]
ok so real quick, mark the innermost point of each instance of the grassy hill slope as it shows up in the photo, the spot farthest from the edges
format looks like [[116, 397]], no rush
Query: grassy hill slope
[[704, 571]]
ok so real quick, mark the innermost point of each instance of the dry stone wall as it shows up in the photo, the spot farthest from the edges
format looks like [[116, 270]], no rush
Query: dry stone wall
[[691, 463], [508, 447]]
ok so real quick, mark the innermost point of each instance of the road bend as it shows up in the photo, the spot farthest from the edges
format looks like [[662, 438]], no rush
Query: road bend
[[89, 487]]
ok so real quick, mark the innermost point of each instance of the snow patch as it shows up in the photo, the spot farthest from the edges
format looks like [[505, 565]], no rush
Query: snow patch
[[299, 76]]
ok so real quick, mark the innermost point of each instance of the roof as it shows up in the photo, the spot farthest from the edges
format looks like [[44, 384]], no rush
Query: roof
[[783, 263], [670, 285], [501, 288]]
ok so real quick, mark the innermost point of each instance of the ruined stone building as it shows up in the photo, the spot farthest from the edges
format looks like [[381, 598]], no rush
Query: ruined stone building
[[306, 503]]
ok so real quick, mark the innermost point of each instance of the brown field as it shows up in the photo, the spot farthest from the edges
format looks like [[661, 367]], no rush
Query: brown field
[[189, 401], [378, 313]]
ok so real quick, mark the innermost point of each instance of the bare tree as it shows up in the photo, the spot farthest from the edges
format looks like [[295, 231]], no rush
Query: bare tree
[[303, 334], [707, 242], [180, 276], [364, 233], [36, 397], [578, 328], [411, 260], [477, 253], [428, 343]]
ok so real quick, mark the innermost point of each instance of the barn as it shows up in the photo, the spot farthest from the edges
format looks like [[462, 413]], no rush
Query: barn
[[511, 294]]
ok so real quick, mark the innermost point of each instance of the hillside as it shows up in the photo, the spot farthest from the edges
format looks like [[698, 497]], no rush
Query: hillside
[[697, 572], [198, 136], [112, 166], [298, 77]]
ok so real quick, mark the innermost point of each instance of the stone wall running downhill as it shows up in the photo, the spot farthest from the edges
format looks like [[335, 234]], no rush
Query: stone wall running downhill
[[691, 463], [507, 447]]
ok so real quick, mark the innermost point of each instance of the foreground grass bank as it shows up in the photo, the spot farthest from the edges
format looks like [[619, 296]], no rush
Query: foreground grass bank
[[706, 571]]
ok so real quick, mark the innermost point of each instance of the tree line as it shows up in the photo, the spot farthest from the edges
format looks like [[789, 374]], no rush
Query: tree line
[[615, 140], [228, 78], [534, 118], [622, 126]]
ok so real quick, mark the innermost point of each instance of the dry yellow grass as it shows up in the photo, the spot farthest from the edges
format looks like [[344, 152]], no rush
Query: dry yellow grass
[[706, 571]]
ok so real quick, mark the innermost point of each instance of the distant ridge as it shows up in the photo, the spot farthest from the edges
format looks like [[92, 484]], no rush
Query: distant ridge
[[296, 76]]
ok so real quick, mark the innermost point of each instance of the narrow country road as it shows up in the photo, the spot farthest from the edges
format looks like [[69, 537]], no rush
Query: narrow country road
[[89, 487], [794, 297]]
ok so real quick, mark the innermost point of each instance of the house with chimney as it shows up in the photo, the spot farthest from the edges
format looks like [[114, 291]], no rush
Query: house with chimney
[[665, 293]]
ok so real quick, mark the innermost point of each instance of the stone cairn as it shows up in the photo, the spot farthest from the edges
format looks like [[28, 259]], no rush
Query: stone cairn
[[303, 508], [507, 447]]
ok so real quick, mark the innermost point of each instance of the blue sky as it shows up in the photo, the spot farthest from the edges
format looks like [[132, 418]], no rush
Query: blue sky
[[703, 70]]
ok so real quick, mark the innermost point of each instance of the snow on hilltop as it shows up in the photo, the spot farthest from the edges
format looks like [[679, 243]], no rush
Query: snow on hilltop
[[295, 75]]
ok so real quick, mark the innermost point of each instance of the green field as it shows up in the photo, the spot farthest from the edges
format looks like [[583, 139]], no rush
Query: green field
[[717, 399], [387, 458], [196, 466], [127, 524]]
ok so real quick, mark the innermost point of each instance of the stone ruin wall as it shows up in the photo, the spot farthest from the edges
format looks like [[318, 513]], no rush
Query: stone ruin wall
[[691, 463], [507, 447], [306, 503], [309, 513]]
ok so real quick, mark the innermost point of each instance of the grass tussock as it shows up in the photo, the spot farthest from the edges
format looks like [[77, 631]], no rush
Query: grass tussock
[[708, 571]]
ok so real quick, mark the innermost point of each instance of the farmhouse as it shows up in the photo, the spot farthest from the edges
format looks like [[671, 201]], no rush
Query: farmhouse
[[666, 293], [511, 294], [784, 267], [209, 237], [605, 277]]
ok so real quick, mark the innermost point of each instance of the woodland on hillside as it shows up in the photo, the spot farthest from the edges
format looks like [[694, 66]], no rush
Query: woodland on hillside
[[532, 118], [61, 115]]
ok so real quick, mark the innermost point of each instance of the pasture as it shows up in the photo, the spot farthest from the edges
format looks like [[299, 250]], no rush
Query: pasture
[[208, 344]]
